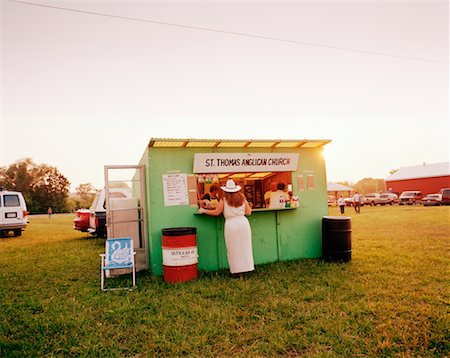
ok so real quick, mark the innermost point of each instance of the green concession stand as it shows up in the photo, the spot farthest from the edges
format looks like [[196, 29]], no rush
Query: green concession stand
[[179, 171]]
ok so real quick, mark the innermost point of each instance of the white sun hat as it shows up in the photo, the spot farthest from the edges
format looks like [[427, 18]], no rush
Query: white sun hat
[[231, 186]]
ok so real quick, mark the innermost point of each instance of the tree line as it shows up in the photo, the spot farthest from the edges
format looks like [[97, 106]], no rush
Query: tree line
[[44, 186], [367, 185]]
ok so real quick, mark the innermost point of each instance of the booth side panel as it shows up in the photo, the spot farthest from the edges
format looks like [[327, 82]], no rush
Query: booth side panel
[[166, 161], [208, 242], [300, 231], [264, 237]]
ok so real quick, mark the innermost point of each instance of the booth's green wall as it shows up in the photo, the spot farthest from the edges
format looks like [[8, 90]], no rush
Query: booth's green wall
[[277, 235]]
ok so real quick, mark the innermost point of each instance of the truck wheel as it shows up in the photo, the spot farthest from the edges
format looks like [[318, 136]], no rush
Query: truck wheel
[[18, 232]]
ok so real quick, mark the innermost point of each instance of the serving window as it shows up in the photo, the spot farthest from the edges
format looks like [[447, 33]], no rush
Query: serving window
[[254, 184], [256, 173]]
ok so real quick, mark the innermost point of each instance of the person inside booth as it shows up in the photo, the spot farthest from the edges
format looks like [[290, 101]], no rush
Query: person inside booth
[[211, 200], [273, 189], [279, 198]]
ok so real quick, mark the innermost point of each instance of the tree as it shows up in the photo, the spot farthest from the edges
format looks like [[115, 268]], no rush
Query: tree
[[41, 185], [369, 185], [86, 193], [19, 176], [73, 203]]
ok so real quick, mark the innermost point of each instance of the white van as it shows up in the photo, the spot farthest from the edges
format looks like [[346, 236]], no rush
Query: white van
[[13, 213]]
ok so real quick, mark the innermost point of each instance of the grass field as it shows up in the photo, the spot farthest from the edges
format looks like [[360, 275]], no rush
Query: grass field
[[392, 299]]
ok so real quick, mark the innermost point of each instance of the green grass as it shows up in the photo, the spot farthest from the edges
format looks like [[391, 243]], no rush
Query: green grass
[[391, 299]]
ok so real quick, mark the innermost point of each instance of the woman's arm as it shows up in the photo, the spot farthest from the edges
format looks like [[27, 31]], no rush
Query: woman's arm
[[248, 209], [214, 212]]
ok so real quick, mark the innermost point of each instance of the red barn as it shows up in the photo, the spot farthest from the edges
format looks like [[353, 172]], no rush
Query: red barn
[[428, 178]]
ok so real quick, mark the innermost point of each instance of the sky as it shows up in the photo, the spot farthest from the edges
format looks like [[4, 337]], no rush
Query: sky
[[87, 83]]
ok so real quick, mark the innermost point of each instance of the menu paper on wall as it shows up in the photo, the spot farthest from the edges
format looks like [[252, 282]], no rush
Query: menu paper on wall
[[175, 189], [245, 162], [310, 181], [300, 183], [192, 187]]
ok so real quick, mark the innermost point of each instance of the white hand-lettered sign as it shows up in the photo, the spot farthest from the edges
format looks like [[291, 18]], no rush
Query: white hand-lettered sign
[[244, 162], [175, 189]]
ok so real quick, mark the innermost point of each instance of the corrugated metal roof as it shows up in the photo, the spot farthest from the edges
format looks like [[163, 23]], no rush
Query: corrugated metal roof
[[237, 143], [421, 171]]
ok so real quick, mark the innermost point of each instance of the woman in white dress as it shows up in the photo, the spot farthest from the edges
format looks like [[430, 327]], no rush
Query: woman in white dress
[[238, 235]]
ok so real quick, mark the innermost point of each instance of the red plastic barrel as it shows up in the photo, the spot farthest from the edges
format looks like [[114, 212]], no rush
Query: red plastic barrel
[[180, 255]]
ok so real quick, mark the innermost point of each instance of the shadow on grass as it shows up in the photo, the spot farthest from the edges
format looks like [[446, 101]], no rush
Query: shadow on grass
[[305, 269]]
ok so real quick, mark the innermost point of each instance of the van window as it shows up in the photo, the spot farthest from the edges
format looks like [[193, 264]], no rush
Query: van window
[[408, 194], [11, 200]]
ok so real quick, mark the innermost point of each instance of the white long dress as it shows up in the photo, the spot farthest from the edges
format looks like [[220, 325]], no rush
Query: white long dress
[[238, 239]]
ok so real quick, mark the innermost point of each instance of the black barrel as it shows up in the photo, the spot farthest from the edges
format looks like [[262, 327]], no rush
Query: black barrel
[[337, 238]]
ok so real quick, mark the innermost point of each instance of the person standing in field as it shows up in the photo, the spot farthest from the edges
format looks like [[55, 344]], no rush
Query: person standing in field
[[238, 235], [341, 204], [49, 212], [357, 202]]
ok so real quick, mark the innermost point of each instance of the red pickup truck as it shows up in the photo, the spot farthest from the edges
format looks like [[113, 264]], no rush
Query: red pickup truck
[[81, 221]]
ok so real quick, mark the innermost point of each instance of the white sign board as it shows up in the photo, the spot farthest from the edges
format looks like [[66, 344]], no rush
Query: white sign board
[[245, 162], [175, 189], [180, 257]]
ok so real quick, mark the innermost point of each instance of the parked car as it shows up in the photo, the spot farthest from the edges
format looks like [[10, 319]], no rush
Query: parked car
[[445, 192], [388, 198], [81, 221], [348, 201], [372, 199], [431, 200], [13, 213], [97, 211], [410, 197]]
